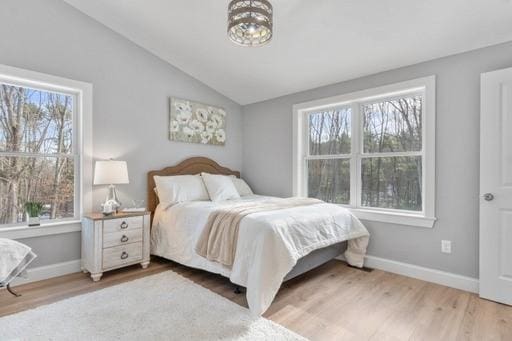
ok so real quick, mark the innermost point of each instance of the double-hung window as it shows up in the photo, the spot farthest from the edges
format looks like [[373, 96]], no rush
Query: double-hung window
[[372, 151], [40, 146]]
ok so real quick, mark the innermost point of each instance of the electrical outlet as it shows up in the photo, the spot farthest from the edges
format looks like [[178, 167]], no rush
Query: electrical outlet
[[446, 246]]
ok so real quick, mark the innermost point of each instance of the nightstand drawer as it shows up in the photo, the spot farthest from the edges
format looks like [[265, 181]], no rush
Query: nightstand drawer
[[122, 224], [122, 238], [119, 255]]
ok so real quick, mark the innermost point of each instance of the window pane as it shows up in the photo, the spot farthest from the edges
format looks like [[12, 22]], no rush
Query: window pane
[[392, 126], [48, 180], [329, 180], [392, 182], [35, 121], [329, 131]]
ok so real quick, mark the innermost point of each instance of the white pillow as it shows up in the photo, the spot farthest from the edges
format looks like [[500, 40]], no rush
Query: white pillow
[[179, 188], [220, 187], [241, 186]]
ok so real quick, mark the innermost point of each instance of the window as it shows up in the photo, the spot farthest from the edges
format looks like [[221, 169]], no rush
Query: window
[[40, 146], [371, 151], [328, 160]]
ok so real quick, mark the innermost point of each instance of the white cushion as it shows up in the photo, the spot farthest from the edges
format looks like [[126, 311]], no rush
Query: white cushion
[[241, 186], [220, 187], [179, 188]]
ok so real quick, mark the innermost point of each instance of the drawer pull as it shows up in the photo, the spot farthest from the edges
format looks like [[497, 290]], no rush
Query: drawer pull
[[124, 225], [124, 255], [124, 239]]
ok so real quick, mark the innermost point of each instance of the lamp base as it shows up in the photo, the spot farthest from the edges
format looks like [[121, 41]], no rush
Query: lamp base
[[112, 203]]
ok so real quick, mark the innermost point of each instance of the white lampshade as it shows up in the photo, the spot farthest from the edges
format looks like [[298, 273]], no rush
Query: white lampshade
[[110, 173]]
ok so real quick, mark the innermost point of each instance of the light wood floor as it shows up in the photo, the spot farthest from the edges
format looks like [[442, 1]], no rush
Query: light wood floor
[[333, 302]]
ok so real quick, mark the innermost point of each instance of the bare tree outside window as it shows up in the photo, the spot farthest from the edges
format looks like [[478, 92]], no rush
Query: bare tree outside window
[[389, 162], [392, 126], [329, 141], [36, 152], [330, 131], [329, 180], [392, 182]]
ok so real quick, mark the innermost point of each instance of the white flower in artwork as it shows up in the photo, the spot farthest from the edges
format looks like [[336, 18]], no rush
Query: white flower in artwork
[[184, 116], [211, 110], [183, 106], [206, 137], [189, 133], [196, 126], [222, 112], [202, 114], [220, 135], [175, 126], [217, 119], [211, 126]]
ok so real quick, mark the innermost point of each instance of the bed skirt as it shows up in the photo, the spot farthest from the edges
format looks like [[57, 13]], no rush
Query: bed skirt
[[315, 259]]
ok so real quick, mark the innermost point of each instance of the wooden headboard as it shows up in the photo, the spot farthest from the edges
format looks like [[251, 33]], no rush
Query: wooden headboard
[[191, 166]]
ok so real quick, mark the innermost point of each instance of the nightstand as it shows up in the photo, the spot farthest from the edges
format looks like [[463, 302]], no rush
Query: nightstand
[[115, 241]]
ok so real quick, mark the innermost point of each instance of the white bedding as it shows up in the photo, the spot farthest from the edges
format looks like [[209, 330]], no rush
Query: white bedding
[[269, 243]]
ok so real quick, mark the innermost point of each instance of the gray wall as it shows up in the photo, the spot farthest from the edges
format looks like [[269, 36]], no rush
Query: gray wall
[[131, 91], [267, 163]]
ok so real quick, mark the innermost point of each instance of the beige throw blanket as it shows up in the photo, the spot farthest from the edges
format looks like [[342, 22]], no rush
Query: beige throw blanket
[[219, 238]]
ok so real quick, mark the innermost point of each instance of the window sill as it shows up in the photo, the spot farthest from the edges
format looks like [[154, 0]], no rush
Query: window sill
[[21, 232], [394, 218]]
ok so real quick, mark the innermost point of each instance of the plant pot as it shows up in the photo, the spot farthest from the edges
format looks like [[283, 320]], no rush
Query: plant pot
[[33, 221]]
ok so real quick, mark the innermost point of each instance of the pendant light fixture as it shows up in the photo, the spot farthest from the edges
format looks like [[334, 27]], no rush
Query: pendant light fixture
[[250, 22]]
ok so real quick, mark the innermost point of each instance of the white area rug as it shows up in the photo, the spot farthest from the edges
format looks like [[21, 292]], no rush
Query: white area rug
[[159, 307]]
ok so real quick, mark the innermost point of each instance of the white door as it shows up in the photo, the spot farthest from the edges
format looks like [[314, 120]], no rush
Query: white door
[[496, 186]]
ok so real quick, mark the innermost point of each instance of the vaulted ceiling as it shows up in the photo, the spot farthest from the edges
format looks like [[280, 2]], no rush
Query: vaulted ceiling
[[316, 42]]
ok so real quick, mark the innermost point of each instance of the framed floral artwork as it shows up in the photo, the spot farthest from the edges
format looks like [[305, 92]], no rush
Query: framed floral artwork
[[196, 122]]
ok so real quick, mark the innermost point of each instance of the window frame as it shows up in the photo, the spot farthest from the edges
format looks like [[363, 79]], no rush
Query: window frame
[[82, 147], [424, 86]]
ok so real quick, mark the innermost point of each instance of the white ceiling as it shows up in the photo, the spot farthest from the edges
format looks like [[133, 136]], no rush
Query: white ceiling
[[316, 42]]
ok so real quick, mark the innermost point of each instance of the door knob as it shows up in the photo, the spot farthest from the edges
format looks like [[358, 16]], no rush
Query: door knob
[[488, 196]]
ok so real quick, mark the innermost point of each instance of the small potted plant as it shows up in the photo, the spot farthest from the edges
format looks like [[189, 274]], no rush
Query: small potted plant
[[33, 210]]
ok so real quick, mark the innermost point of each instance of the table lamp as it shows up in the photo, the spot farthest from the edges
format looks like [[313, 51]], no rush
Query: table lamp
[[111, 173]]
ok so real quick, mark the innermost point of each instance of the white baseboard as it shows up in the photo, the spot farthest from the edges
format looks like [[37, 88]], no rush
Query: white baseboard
[[48, 271], [426, 274]]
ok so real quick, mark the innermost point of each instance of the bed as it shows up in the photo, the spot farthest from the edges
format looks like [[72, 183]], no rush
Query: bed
[[267, 252]]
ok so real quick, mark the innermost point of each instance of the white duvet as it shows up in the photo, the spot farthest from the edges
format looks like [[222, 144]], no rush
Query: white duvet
[[269, 243]]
